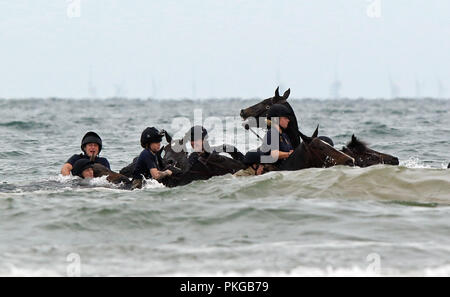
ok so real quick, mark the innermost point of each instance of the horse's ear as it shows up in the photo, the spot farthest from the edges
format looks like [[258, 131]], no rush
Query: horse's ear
[[286, 94], [168, 137], [316, 133], [354, 138], [277, 92], [304, 137]]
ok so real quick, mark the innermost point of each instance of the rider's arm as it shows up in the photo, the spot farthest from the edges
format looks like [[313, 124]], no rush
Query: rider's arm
[[67, 167], [65, 170], [156, 174], [280, 155]]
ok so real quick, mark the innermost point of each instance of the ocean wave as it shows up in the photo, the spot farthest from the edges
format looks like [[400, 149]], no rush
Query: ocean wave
[[381, 182], [6, 155], [60, 184], [14, 271], [7, 188], [412, 183], [25, 125]]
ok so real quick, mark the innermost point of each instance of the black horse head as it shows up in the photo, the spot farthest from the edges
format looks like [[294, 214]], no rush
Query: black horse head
[[448, 167], [313, 152], [365, 156], [260, 110], [208, 166], [175, 154]]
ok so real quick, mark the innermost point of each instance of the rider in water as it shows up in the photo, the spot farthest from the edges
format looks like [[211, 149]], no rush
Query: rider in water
[[83, 168], [276, 144], [198, 137], [91, 145], [149, 162], [253, 161]]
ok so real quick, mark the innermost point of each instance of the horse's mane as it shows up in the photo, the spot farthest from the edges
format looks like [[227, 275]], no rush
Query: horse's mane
[[292, 129], [357, 145]]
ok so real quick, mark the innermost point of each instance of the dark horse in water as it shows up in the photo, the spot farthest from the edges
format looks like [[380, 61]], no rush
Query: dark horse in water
[[111, 176], [175, 157], [315, 153], [312, 152], [365, 156], [260, 110]]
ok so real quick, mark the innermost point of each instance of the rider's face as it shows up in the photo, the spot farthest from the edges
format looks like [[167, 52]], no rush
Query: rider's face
[[284, 122], [155, 147], [197, 145], [260, 169], [91, 149], [88, 173]]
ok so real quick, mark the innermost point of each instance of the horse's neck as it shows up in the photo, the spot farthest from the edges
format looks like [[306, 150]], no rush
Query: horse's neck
[[300, 159]]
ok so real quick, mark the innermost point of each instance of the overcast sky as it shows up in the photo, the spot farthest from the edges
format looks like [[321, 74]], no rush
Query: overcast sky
[[224, 48]]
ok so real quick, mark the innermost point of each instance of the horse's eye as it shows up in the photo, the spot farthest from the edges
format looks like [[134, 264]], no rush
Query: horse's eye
[[267, 107]]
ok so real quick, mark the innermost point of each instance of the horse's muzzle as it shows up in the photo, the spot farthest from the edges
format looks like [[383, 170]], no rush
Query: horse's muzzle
[[350, 162]]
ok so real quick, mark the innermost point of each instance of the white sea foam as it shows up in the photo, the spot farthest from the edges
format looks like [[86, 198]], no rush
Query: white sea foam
[[98, 181], [414, 162], [329, 271], [301, 271], [63, 178], [13, 271], [152, 184]]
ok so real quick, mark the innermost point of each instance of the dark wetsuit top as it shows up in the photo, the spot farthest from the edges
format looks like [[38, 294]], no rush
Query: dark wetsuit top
[[146, 161], [284, 144], [99, 160]]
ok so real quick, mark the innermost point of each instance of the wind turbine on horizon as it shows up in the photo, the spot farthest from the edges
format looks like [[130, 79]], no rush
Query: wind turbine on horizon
[[394, 89], [440, 89], [335, 87]]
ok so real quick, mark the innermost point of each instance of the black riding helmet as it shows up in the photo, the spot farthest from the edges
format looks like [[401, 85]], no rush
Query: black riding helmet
[[196, 133], [327, 140], [278, 110], [151, 135], [91, 137], [80, 166], [251, 158]]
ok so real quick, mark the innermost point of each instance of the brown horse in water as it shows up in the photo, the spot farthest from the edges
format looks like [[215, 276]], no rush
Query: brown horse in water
[[365, 156], [359, 151], [112, 177], [315, 153]]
